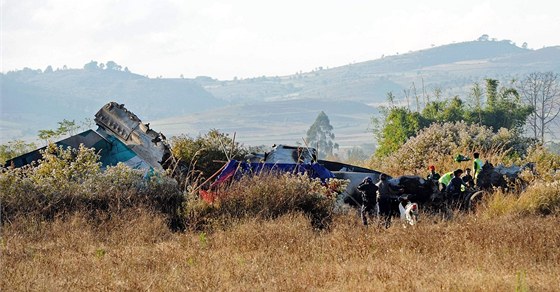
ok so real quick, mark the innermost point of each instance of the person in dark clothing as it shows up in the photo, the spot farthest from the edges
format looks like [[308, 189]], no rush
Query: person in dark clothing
[[386, 195], [369, 191], [433, 174], [456, 186], [468, 179]]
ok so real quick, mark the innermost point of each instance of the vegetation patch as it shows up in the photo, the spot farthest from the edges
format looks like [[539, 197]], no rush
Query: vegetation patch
[[267, 195], [67, 181], [441, 142]]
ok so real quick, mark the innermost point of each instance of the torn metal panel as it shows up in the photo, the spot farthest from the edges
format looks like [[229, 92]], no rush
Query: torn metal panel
[[115, 120], [121, 137], [290, 154], [89, 138]]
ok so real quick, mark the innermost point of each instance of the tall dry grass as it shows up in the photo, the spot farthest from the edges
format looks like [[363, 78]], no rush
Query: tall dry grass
[[264, 195], [541, 198], [138, 252]]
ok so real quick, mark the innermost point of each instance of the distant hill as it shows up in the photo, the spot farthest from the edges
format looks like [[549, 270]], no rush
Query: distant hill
[[33, 100], [267, 109], [452, 68]]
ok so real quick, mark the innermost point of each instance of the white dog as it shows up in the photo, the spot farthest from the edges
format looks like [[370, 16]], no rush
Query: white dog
[[409, 212]]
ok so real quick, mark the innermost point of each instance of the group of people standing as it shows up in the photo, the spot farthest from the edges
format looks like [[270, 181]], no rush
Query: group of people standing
[[377, 199], [454, 182]]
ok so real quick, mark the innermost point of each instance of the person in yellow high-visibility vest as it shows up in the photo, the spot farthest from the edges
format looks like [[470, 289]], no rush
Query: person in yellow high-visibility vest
[[445, 179], [477, 165]]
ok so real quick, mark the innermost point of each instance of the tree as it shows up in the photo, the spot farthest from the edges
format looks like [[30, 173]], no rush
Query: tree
[[320, 135], [491, 92], [503, 108], [454, 110], [13, 149], [541, 91], [47, 135], [483, 38], [476, 100], [400, 124], [91, 66], [113, 66], [49, 69], [67, 127], [356, 155], [391, 98], [432, 111]]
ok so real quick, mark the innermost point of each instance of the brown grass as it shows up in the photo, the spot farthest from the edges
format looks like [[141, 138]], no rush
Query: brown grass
[[268, 241], [266, 195], [138, 252], [540, 198]]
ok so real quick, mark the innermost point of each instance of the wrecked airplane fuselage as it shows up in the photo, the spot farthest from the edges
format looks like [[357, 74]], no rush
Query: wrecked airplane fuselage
[[120, 137], [298, 159]]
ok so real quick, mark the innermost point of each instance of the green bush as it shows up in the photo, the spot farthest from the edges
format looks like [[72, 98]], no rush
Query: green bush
[[502, 109]]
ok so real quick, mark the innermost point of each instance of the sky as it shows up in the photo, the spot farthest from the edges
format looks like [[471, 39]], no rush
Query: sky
[[244, 39]]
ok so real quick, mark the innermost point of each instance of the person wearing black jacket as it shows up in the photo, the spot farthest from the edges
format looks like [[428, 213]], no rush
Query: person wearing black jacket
[[369, 192], [468, 179], [456, 186], [386, 195]]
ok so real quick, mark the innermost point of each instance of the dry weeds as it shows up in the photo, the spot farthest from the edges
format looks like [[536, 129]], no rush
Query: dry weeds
[[138, 252]]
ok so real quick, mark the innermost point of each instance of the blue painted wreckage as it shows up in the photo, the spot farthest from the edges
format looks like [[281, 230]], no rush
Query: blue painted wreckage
[[296, 159], [120, 137]]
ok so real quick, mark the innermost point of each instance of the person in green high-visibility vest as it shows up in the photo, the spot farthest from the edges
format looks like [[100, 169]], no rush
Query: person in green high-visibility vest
[[477, 165], [445, 179]]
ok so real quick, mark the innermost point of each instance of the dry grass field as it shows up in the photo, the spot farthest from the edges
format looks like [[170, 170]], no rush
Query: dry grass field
[[137, 251], [67, 226]]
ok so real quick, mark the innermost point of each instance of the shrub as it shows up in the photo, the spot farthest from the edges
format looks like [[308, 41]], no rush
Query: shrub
[[13, 149], [198, 159], [438, 144], [67, 181], [547, 163], [266, 196]]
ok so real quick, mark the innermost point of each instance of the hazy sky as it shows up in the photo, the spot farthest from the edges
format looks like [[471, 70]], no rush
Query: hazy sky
[[243, 38]]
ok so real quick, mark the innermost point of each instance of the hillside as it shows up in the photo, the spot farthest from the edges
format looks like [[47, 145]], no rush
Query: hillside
[[33, 100], [451, 68], [266, 109]]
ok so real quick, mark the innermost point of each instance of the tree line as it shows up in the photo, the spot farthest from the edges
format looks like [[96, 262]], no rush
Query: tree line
[[529, 107]]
